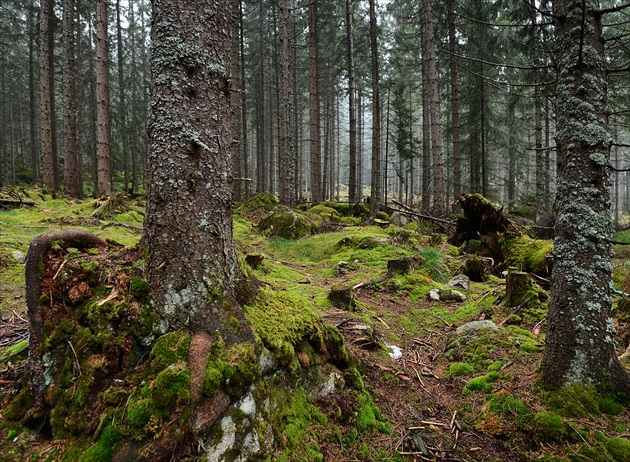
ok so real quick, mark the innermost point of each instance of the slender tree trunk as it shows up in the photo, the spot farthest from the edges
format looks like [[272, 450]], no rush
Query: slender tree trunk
[[71, 166], [426, 141], [375, 197], [102, 102], [316, 163], [244, 135], [353, 195], [287, 151], [540, 155], [439, 194], [457, 156], [122, 99], [580, 338], [34, 158], [47, 102]]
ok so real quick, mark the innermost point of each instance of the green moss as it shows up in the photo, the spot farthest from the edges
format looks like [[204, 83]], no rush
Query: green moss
[[528, 254], [353, 379], [262, 201], [9, 353], [281, 319], [483, 383], [19, 406], [172, 386], [169, 349], [457, 369], [234, 323], [574, 400], [240, 369], [549, 427], [140, 290], [103, 450], [619, 448], [369, 416], [140, 411]]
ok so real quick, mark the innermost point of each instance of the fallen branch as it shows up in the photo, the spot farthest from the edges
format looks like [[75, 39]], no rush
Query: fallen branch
[[443, 224], [122, 225], [14, 203]]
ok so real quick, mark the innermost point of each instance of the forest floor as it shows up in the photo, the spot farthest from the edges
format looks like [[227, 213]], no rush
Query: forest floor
[[444, 397]]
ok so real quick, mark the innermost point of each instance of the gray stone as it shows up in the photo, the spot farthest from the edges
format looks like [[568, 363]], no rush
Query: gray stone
[[460, 281], [20, 257], [398, 219], [473, 327], [433, 295], [452, 295]]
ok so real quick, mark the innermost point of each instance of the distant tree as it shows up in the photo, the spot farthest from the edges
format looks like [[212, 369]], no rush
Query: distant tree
[[353, 193], [315, 147], [287, 146], [104, 173], [375, 197], [72, 171], [47, 101], [579, 345]]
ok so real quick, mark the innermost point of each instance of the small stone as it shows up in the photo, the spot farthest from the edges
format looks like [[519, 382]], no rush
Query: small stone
[[398, 219], [20, 257], [460, 281], [452, 296], [433, 295], [473, 327]]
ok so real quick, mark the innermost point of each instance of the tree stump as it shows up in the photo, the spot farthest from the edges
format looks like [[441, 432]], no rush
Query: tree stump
[[401, 266], [518, 284], [343, 298]]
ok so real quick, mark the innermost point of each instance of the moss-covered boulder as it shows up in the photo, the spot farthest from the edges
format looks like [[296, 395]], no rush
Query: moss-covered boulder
[[286, 223], [530, 255]]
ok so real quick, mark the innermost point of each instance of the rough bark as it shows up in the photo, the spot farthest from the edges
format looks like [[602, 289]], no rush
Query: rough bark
[[287, 146], [580, 346], [122, 99], [103, 187], [193, 272], [457, 169]]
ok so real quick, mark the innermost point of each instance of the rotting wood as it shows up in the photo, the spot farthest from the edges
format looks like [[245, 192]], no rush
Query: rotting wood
[[14, 203]]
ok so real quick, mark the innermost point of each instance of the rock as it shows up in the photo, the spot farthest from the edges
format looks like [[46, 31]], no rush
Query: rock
[[286, 223], [460, 281], [398, 219], [452, 295], [433, 295], [473, 327], [20, 257]]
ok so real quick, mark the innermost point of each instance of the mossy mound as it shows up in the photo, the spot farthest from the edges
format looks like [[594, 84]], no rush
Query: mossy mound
[[530, 255], [286, 223], [263, 201]]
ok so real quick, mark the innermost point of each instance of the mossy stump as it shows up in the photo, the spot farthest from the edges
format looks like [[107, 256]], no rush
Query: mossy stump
[[343, 298], [518, 284], [400, 266]]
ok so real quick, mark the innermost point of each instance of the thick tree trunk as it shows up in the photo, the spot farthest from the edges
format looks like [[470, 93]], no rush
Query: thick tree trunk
[[192, 270], [103, 187], [580, 338]]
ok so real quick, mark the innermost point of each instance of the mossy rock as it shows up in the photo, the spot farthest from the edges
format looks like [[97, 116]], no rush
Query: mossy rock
[[262, 201], [286, 223]]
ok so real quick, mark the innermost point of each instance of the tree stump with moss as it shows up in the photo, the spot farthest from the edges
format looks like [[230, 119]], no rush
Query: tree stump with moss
[[400, 266], [343, 298], [518, 284]]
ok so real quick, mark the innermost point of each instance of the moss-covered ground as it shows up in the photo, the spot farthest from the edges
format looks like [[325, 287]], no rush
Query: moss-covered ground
[[445, 397]]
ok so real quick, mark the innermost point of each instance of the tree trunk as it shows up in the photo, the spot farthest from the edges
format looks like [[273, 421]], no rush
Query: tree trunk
[[47, 102], [352, 180], [122, 100], [192, 268], [287, 152], [72, 172], [316, 163], [375, 197], [580, 338], [31, 94], [103, 187], [439, 194], [457, 157]]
